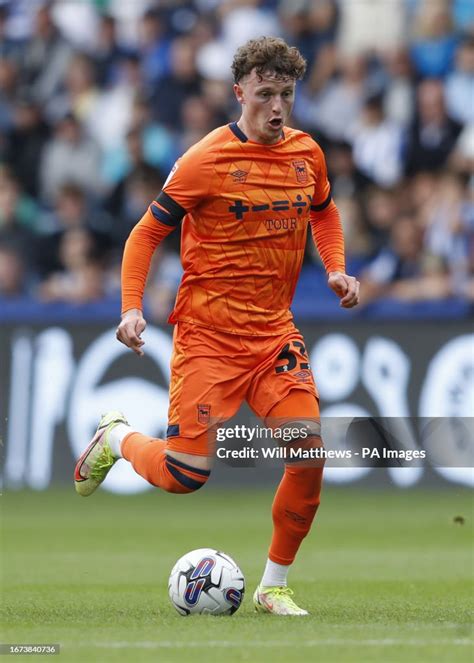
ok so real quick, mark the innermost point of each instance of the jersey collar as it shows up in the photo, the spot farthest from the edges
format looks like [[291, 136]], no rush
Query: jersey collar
[[237, 131]]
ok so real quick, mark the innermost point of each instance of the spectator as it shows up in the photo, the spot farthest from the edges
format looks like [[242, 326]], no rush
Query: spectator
[[463, 15], [81, 93], [382, 209], [337, 106], [420, 193], [18, 214], [71, 211], [8, 89], [344, 178], [133, 192], [104, 114], [107, 53], [449, 226], [69, 156], [77, 22], [156, 146], [459, 88], [182, 81], [399, 97], [9, 48], [204, 30], [402, 271], [309, 25], [154, 47], [434, 44], [128, 16], [245, 19], [13, 281], [198, 120], [433, 134], [25, 144], [45, 57], [80, 278], [215, 93], [109, 121], [462, 158], [371, 26], [377, 144]]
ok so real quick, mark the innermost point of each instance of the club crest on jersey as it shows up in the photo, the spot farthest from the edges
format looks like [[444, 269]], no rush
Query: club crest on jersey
[[204, 413], [300, 170], [239, 176]]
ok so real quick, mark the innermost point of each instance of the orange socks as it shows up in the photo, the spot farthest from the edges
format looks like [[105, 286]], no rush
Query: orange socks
[[294, 507], [150, 460], [297, 497]]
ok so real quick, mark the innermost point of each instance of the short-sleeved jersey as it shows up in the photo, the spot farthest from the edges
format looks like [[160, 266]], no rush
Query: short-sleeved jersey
[[246, 210]]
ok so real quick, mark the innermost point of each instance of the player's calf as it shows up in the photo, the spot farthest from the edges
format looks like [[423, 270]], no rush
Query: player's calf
[[298, 496], [160, 466]]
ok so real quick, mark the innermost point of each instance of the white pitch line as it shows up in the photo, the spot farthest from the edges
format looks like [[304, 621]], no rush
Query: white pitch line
[[170, 644]]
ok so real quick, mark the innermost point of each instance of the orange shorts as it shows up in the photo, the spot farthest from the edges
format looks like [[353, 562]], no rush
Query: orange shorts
[[213, 372]]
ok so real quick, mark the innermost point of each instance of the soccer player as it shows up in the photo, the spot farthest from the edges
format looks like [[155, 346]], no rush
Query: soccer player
[[245, 195]]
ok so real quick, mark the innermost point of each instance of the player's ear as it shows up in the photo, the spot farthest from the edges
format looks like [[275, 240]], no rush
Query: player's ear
[[239, 93]]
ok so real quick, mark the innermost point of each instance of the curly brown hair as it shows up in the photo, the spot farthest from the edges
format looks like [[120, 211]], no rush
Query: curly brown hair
[[268, 54]]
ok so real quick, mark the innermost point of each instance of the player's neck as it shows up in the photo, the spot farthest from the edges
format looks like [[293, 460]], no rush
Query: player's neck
[[253, 136]]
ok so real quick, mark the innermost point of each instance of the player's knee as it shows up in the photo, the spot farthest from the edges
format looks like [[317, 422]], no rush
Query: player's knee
[[183, 478], [303, 444]]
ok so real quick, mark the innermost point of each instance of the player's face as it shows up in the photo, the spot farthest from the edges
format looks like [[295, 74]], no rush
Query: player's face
[[267, 102]]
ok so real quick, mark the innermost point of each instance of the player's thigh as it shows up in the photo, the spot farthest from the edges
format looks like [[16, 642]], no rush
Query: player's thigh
[[283, 392], [206, 388], [285, 369], [297, 403]]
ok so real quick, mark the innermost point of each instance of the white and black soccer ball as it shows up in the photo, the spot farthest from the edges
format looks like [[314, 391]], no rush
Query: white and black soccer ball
[[206, 581]]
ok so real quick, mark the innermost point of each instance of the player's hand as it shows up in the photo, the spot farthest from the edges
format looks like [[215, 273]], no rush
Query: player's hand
[[130, 330], [346, 288]]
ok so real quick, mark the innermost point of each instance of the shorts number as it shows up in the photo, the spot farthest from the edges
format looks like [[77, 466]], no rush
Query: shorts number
[[287, 355]]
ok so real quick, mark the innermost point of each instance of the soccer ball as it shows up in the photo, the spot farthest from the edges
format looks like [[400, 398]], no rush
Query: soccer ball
[[206, 581]]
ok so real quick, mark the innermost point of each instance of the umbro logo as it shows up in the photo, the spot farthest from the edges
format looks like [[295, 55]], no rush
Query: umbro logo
[[295, 516], [239, 176]]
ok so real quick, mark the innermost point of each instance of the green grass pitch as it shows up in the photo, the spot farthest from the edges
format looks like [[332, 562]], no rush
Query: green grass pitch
[[387, 576]]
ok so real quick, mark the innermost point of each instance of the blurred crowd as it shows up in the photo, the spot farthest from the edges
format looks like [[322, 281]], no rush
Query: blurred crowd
[[98, 98]]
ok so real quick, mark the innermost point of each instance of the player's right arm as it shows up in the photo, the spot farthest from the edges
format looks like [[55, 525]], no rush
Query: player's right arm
[[149, 232], [186, 185]]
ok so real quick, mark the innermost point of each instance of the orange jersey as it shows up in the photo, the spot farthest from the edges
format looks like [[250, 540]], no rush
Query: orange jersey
[[244, 234], [245, 208]]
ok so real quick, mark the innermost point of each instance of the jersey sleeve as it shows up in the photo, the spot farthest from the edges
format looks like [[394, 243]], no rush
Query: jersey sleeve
[[138, 252], [322, 193], [189, 182], [325, 221], [327, 233]]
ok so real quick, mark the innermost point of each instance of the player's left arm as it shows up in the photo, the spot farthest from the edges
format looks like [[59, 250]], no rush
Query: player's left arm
[[328, 236]]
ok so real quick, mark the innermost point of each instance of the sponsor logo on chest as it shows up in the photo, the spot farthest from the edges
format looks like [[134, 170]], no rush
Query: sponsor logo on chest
[[241, 208]]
